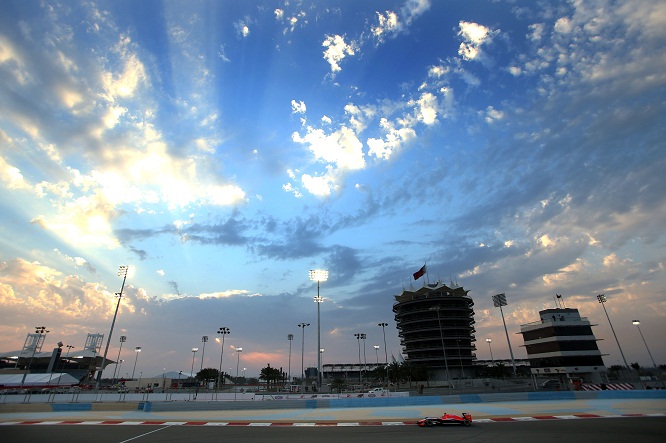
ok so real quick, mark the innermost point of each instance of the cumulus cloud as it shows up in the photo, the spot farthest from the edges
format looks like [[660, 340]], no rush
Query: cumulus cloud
[[11, 176], [337, 50], [392, 141], [242, 28], [474, 36], [298, 107], [390, 23], [341, 147], [38, 290]]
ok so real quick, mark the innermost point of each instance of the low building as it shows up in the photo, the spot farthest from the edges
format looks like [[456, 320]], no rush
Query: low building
[[562, 345]]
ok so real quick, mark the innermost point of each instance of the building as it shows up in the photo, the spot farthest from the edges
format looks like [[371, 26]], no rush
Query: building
[[562, 345], [436, 328], [82, 364]]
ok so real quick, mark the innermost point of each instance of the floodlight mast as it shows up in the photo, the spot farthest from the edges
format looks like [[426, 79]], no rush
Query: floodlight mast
[[122, 272], [318, 275], [602, 299], [499, 300]]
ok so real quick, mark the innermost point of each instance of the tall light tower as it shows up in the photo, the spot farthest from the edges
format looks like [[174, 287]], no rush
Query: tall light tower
[[365, 359], [290, 337], [602, 299], [638, 323], [238, 352], [376, 353], [123, 339], [302, 326], [360, 372], [489, 341], [194, 353], [122, 272], [499, 300], [223, 331], [137, 350], [318, 275], [204, 340], [383, 326]]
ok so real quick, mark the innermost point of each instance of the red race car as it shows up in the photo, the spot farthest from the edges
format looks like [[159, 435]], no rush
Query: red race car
[[464, 419]]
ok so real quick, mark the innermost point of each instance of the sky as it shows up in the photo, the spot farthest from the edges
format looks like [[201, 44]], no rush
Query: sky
[[222, 149]]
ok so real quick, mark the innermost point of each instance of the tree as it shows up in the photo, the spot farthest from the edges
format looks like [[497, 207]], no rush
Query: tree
[[210, 374], [394, 373], [271, 375], [636, 366], [338, 385]]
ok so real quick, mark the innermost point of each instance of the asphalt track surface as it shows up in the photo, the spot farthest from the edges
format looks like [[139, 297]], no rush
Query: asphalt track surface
[[604, 420], [606, 430]]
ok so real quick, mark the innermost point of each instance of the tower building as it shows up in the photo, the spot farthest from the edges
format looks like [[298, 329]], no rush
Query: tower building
[[436, 328]]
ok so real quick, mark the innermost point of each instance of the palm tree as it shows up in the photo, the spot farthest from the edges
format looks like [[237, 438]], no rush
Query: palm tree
[[271, 375], [394, 373], [338, 384], [207, 374]]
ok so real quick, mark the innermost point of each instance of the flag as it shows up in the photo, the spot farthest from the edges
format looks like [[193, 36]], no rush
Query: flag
[[418, 274]]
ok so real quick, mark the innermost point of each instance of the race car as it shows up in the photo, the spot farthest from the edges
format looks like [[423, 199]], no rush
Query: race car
[[464, 419]]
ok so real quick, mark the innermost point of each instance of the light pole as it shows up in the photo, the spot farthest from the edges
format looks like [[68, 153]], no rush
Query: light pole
[[290, 337], [365, 359], [360, 372], [194, 352], [318, 275], [120, 364], [302, 326], [602, 299], [321, 355], [238, 352], [383, 326], [489, 341], [122, 272], [223, 331], [441, 336], [638, 325], [499, 300], [204, 339], [123, 339], [137, 350]]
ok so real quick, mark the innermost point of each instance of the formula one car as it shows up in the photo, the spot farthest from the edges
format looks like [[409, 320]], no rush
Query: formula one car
[[464, 419]]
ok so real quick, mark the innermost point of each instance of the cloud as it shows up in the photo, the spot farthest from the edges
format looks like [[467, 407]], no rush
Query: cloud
[[337, 50], [242, 28], [33, 290], [11, 176], [125, 83], [474, 36], [297, 107], [390, 24], [79, 262], [393, 139]]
